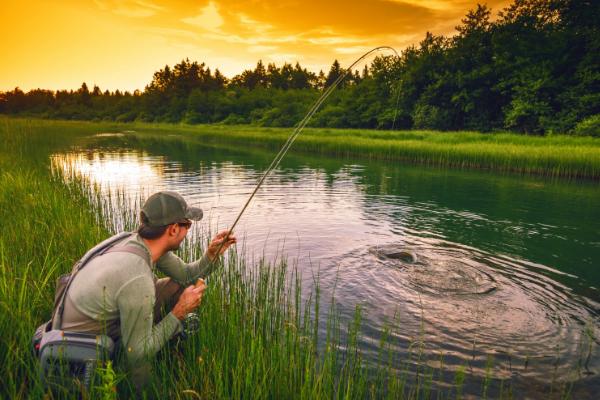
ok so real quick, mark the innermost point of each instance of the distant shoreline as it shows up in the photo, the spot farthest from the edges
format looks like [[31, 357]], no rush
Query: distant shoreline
[[554, 156]]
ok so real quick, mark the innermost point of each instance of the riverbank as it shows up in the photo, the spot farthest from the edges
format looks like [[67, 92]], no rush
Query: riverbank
[[556, 156], [553, 156]]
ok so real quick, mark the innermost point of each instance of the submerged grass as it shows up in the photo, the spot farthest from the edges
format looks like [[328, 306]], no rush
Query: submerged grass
[[258, 337]]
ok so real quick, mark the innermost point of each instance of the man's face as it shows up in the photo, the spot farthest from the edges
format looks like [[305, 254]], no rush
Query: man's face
[[177, 233]]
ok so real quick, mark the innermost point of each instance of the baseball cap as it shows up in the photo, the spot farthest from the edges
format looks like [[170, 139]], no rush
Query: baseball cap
[[167, 207]]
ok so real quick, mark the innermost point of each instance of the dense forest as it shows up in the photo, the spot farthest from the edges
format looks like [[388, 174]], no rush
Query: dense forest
[[535, 68]]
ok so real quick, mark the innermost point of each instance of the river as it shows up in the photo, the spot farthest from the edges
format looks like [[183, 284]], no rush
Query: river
[[505, 266]]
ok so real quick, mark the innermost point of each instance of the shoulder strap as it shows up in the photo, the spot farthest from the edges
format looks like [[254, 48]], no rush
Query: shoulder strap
[[101, 247], [95, 251], [132, 249]]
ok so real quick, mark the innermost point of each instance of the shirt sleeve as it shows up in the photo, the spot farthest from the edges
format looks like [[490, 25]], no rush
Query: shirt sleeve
[[141, 338], [182, 272]]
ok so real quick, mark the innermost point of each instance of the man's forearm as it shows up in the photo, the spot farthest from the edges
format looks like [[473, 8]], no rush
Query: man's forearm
[[182, 272]]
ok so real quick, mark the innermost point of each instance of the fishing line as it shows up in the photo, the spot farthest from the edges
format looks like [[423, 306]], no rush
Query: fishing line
[[290, 140]]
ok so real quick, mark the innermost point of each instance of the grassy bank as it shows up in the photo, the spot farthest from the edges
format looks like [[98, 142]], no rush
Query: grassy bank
[[258, 339], [44, 226], [556, 156], [559, 156]]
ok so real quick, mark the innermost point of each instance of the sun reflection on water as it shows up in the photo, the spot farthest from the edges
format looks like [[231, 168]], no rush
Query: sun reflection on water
[[113, 171]]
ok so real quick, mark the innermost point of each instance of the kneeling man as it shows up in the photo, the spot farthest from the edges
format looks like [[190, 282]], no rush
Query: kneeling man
[[118, 293]]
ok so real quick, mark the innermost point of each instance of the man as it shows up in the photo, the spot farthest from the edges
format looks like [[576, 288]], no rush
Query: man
[[117, 293]]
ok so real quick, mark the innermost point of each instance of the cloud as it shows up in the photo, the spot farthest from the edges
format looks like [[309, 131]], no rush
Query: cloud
[[315, 26], [283, 57], [310, 31], [435, 4], [356, 17], [172, 32], [208, 19], [130, 8], [193, 50], [353, 49], [249, 40], [253, 24], [101, 4], [261, 49], [332, 40]]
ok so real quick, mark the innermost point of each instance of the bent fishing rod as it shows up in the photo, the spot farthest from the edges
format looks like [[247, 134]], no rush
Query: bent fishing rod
[[290, 140]]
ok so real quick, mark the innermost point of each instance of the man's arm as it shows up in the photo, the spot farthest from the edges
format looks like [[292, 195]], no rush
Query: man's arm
[[187, 274], [141, 338]]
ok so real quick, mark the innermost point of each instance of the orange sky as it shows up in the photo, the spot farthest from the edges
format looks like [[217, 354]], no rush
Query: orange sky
[[118, 44]]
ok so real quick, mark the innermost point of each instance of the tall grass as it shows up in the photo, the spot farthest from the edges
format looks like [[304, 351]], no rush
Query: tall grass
[[259, 336]]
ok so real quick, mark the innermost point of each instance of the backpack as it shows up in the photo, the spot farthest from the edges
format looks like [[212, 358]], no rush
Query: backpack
[[65, 355]]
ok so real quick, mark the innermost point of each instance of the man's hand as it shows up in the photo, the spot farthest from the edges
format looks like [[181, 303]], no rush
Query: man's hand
[[189, 300], [215, 244]]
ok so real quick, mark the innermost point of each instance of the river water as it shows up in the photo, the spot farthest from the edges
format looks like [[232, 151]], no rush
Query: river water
[[504, 265]]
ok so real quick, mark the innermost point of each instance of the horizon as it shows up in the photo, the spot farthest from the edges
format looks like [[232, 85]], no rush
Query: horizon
[[119, 44]]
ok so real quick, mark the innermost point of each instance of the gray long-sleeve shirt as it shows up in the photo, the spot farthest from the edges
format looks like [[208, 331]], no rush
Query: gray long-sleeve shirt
[[115, 294]]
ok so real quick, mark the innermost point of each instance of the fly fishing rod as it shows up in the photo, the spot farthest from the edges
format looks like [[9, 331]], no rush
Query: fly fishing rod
[[290, 140]]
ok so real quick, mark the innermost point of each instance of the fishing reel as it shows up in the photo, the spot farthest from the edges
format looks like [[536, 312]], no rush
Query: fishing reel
[[191, 325]]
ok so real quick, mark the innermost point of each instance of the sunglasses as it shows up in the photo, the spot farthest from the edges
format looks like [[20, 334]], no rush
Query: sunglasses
[[186, 224]]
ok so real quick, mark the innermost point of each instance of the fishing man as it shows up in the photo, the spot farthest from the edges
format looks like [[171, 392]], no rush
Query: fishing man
[[118, 293]]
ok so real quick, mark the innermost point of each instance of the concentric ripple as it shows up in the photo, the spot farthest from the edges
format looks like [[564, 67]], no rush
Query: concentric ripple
[[469, 304], [437, 273]]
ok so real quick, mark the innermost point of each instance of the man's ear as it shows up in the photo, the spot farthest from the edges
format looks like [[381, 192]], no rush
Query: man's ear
[[172, 230]]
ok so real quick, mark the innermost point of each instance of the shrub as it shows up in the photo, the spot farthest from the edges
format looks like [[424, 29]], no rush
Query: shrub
[[234, 119], [590, 126], [127, 117], [426, 116]]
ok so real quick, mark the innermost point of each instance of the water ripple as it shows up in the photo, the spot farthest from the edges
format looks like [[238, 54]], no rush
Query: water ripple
[[466, 301]]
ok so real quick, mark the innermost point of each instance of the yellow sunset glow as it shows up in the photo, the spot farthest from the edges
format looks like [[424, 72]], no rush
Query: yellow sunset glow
[[119, 44]]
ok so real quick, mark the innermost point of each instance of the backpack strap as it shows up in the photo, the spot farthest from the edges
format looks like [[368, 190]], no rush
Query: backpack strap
[[101, 248], [132, 249]]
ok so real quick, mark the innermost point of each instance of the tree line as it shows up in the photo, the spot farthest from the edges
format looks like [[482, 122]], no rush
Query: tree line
[[535, 68]]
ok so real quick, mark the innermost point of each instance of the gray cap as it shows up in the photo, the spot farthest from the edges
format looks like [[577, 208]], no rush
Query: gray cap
[[166, 207]]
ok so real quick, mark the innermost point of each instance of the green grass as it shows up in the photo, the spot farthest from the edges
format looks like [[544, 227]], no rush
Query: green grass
[[258, 338], [557, 156]]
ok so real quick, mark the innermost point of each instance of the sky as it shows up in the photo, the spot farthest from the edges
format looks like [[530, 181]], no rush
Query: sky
[[119, 44]]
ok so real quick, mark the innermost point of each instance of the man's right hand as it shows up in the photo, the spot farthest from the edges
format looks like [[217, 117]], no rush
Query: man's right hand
[[189, 300]]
